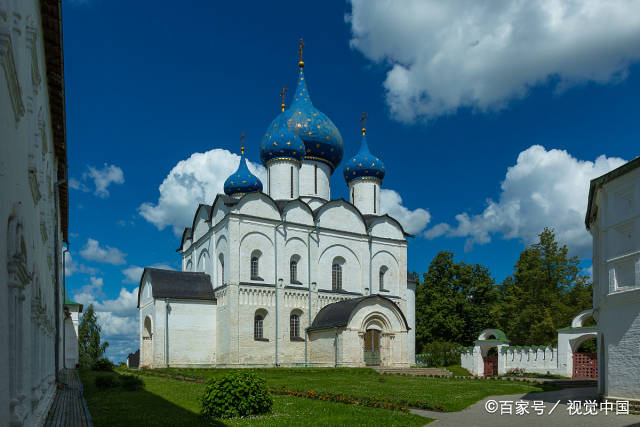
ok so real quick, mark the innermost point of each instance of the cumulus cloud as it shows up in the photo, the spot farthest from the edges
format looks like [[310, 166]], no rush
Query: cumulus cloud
[[413, 221], [103, 178], [195, 180], [544, 188], [117, 317], [94, 252], [133, 272], [466, 53], [71, 266]]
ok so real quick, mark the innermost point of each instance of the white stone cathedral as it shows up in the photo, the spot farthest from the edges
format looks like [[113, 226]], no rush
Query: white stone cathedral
[[287, 276]]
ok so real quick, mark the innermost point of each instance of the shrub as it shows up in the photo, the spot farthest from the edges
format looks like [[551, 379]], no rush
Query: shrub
[[439, 354], [236, 394], [102, 364], [131, 382], [105, 381]]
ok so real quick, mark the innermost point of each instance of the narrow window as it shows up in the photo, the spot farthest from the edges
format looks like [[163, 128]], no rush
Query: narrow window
[[269, 180], [383, 270], [315, 179], [221, 270], [294, 326], [336, 277], [291, 182], [254, 267], [258, 327], [293, 268], [374, 199], [353, 200]]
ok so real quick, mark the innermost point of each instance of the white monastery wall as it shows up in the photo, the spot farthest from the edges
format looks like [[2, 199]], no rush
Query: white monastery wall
[[192, 340], [616, 296], [28, 219]]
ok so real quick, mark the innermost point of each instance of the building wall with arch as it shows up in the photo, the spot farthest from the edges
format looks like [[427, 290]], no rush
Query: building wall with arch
[[278, 232]]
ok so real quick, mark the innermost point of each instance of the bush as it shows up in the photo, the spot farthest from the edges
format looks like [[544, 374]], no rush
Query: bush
[[104, 382], [237, 394], [131, 382], [102, 364], [438, 354]]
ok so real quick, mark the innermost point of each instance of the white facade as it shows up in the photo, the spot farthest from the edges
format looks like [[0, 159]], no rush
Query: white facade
[[70, 335], [278, 259], [364, 193], [32, 208], [613, 218]]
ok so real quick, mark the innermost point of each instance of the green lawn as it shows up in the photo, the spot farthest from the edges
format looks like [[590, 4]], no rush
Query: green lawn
[[448, 394], [171, 402], [458, 371]]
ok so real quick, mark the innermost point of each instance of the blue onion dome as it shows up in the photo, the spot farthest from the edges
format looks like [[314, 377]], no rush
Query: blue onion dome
[[364, 164], [280, 143], [320, 136], [242, 181]]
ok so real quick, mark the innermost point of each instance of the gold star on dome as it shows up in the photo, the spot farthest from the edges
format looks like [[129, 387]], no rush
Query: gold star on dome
[[275, 144], [288, 142], [244, 182], [359, 165]]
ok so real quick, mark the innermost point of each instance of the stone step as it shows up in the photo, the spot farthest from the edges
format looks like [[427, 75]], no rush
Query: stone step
[[419, 372]]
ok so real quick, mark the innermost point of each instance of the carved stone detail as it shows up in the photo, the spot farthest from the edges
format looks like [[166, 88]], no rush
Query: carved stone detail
[[7, 61]]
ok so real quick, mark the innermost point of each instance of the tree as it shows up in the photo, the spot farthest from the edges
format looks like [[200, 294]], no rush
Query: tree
[[455, 301], [90, 348], [544, 293]]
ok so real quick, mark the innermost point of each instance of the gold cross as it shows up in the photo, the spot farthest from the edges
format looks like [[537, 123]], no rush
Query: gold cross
[[282, 95], [242, 143], [300, 49], [362, 119]]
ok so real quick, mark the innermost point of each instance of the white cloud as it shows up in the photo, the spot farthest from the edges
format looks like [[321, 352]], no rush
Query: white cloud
[[117, 317], [413, 221], [133, 272], [464, 53], [103, 178], [71, 266], [94, 252], [195, 180], [78, 185], [544, 188]]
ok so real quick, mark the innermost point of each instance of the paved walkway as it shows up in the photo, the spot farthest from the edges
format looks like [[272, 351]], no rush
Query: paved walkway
[[68, 408], [477, 415]]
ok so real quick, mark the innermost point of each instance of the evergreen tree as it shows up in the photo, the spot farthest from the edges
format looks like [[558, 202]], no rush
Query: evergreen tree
[[90, 348], [545, 292]]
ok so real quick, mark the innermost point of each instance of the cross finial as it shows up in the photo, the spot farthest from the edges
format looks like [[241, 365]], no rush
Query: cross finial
[[242, 143], [300, 49], [362, 119], [282, 95]]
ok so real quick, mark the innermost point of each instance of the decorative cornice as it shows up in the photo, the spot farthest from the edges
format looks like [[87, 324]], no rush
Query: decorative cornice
[[366, 178], [320, 159], [7, 61], [282, 159]]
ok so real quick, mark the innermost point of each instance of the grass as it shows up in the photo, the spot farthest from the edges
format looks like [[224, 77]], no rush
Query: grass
[[167, 402], [447, 394], [458, 371]]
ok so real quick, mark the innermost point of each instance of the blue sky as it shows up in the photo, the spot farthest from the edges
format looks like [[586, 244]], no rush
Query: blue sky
[[490, 128]]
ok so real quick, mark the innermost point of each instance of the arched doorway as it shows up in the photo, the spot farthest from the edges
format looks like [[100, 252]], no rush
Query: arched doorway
[[147, 343], [372, 346], [491, 362], [585, 358]]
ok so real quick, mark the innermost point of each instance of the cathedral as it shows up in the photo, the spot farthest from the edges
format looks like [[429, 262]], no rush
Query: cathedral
[[278, 273]]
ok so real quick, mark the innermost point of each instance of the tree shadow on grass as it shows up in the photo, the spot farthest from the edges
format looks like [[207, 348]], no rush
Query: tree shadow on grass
[[117, 407]]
